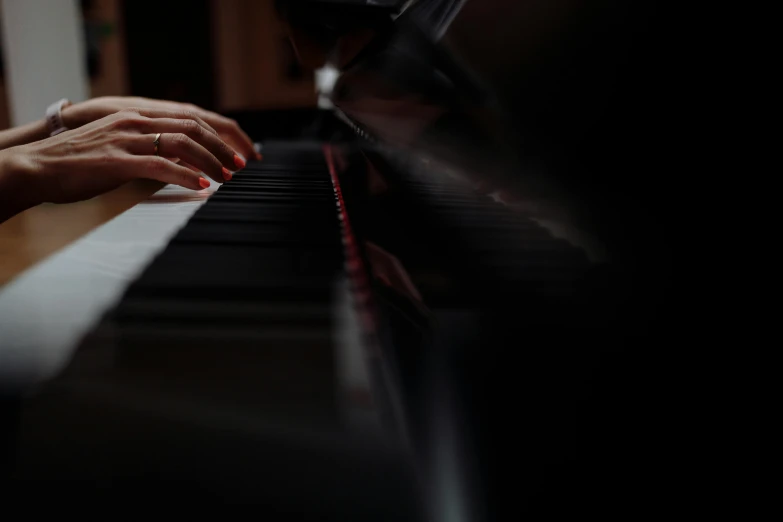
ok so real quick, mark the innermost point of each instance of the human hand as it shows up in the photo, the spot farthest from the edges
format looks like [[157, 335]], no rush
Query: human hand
[[78, 114], [100, 156]]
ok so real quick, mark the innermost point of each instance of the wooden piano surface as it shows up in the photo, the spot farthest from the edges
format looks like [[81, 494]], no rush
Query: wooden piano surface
[[34, 235]]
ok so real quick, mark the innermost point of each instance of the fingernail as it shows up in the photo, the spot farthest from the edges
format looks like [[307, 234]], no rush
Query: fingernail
[[239, 162], [226, 174], [203, 182], [259, 157]]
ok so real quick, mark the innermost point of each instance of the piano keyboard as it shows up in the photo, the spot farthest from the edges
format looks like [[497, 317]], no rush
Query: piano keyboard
[[239, 307], [253, 273], [232, 341]]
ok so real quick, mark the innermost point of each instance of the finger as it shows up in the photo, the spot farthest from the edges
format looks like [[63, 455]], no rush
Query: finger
[[179, 146], [238, 138], [211, 142], [184, 164], [161, 169], [176, 114], [189, 166], [230, 131]]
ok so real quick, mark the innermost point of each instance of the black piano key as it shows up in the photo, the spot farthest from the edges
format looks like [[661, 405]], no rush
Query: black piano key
[[259, 234], [239, 268], [259, 183], [227, 313], [272, 198], [305, 195], [305, 174], [253, 214]]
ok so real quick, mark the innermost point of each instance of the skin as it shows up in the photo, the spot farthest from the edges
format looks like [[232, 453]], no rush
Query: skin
[[110, 143], [91, 110], [108, 152]]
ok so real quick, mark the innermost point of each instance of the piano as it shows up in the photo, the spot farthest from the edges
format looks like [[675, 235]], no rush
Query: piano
[[424, 303]]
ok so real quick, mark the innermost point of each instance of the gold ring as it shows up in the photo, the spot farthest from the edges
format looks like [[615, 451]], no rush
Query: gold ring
[[156, 143]]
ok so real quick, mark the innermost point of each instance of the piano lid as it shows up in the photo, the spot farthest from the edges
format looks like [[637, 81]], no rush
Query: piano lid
[[552, 99]]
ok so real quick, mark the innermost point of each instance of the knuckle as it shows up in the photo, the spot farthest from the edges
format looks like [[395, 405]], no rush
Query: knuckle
[[107, 158], [226, 150], [192, 127], [180, 138], [156, 164], [120, 125], [117, 139], [187, 114], [128, 120]]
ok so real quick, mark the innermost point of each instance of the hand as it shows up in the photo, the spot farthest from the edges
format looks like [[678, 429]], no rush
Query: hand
[[83, 113], [100, 156]]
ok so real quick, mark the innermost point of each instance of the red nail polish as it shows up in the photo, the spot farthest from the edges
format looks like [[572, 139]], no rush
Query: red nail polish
[[239, 162], [227, 174], [203, 182], [259, 157]]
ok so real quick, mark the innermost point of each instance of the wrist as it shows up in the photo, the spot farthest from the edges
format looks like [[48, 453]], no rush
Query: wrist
[[39, 130], [75, 115], [69, 117], [54, 116]]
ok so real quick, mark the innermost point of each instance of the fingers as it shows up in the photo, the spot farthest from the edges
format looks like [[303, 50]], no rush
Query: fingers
[[234, 134], [161, 169], [173, 114], [179, 145], [230, 131], [146, 120], [189, 166], [194, 131], [227, 128], [184, 164]]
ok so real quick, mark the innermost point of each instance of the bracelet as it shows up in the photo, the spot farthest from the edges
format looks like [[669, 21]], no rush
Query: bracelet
[[54, 117]]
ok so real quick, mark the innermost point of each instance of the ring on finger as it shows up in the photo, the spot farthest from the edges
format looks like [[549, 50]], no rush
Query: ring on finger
[[156, 143]]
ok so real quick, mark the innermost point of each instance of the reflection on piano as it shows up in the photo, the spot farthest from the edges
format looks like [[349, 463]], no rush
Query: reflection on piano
[[395, 316]]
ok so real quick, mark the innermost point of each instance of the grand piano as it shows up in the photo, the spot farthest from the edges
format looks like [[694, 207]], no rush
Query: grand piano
[[429, 300]]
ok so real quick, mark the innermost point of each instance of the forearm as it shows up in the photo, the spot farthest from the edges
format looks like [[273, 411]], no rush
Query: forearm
[[16, 189], [24, 134]]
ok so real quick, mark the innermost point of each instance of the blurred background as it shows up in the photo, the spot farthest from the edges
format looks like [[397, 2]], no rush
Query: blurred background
[[224, 55]]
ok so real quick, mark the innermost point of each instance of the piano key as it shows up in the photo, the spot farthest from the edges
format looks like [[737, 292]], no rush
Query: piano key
[[184, 264], [259, 234], [224, 311], [255, 214], [273, 199], [278, 182]]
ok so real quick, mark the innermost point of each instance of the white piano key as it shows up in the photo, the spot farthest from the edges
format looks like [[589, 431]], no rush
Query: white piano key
[[46, 311]]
